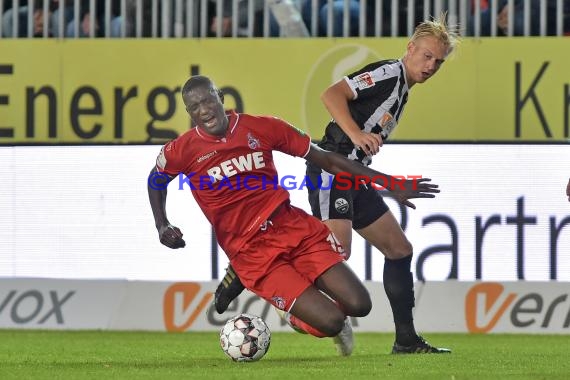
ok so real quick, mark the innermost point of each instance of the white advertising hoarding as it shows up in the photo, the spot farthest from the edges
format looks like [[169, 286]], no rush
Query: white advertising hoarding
[[441, 306], [82, 212]]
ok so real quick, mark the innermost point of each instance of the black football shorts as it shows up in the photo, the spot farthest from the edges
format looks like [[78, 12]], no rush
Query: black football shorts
[[333, 199]]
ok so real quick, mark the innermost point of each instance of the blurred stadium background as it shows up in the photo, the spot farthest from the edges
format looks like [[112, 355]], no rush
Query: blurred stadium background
[[85, 107]]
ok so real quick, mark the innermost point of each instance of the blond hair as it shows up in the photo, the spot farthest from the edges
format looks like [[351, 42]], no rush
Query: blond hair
[[438, 28]]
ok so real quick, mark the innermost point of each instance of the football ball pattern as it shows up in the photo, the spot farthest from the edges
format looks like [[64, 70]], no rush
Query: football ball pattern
[[245, 338]]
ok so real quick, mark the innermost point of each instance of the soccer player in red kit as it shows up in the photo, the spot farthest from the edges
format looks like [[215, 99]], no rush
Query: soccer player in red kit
[[282, 254]]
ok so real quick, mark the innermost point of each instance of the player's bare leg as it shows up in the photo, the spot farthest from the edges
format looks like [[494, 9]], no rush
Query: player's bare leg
[[342, 229], [342, 285], [386, 235], [319, 315], [349, 301]]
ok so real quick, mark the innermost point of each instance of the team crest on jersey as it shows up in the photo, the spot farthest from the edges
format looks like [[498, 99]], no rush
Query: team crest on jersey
[[341, 205], [279, 302], [363, 81], [252, 142]]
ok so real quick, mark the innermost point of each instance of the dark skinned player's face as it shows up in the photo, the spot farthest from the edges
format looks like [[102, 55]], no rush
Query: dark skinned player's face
[[206, 110]]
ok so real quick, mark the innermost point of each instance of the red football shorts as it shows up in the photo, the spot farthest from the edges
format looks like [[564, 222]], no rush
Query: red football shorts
[[289, 252]]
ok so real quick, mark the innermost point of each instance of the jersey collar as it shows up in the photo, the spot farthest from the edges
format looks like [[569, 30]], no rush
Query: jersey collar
[[233, 118], [404, 71]]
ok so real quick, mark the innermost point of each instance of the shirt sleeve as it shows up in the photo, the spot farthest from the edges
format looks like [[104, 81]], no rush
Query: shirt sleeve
[[288, 139], [168, 161], [366, 81]]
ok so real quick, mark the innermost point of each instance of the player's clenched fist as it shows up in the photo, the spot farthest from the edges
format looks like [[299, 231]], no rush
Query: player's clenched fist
[[171, 236]]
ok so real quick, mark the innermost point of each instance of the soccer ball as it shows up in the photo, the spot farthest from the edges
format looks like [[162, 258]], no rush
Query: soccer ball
[[245, 338]]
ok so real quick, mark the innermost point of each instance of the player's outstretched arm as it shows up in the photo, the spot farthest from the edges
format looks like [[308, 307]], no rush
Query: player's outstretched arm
[[168, 234], [568, 190], [336, 98], [401, 189]]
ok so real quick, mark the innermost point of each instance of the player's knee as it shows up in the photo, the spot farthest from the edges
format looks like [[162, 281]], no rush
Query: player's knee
[[332, 324], [364, 306], [359, 305], [400, 250]]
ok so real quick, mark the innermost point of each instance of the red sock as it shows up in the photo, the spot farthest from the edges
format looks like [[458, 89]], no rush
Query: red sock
[[306, 327]]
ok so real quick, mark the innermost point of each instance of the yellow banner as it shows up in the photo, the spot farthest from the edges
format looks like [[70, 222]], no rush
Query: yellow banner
[[113, 91]]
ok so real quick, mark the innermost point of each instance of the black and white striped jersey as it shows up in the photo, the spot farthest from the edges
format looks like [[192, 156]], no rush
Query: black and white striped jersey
[[380, 94]]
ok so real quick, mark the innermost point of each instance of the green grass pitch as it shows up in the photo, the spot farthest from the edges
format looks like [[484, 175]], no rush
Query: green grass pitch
[[26, 354]]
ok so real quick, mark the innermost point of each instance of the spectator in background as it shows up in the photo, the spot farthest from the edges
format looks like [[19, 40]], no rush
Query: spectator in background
[[55, 16], [22, 14], [337, 16], [354, 17], [402, 17], [242, 18], [502, 17], [288, 17], [99, 27]]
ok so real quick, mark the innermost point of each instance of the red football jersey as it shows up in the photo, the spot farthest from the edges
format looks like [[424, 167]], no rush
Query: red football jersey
[[233, 178]]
